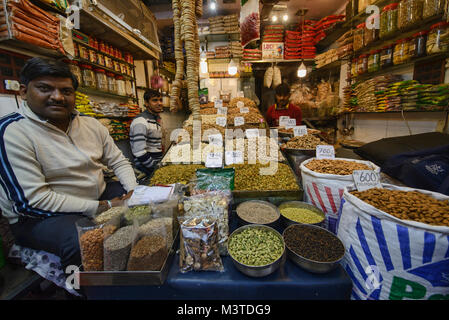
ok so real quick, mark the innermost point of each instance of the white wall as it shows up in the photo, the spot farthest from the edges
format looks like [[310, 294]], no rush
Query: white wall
[[8, 104]]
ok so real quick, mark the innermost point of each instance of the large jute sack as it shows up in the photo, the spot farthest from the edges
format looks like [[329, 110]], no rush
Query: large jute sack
[[324, 191], [393, 259]]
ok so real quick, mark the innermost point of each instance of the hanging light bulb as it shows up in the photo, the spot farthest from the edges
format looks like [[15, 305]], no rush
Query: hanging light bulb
[[232, 68], [274, 18], [213, 5], [302, 70], [285, 17]]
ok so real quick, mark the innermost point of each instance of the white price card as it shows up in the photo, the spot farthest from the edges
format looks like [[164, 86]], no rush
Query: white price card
[[291, 123], [252, 133], [233, 157], [244, 110], [299, 131], [366, 179], [222, 110], [325, 152], [221, 121], [239, 121], [240, 104], [218, 103], [240, 94], [216, 139], [283, 121], [214, 160]]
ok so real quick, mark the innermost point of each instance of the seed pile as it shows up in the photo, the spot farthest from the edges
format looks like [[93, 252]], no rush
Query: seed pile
[[109, 215], [256, 212], [149, 253], [255, 247], [175, 174], [313, 243], [117, 248], [305, 142], [139, 213], [407, 205], [161, 226], [302, 215], [91, 243], [338, 167]]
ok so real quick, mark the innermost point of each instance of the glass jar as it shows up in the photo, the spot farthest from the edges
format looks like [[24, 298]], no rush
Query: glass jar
[[438, 38], [362, 64], [401, 51], [100, 59], [370, 35], [112, 83], [108, 62], [358, 37], [88, 76], [121, 87], [417, 46], [386, 56], [102, 79], [415, 12], [123, 68], [101, 46], [84, 52], [92, 56], [129, 88], [432, 8], [116, 65], [374, 61], [76, 70], [402, 14], [389, 20], [362, 5], [354, 68], [76, 50]]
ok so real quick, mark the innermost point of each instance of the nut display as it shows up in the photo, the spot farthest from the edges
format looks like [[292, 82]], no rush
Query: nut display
[[257, 212], [159, 226], [175, 153], [250, 149], [305, 142], [149, 253], [91, 245], [338, 167], [247, 102], [256, 247], [138, 213], [407, 205], [249, 118], [175, 174]]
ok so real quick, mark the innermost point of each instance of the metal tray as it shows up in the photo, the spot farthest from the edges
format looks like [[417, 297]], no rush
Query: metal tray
[[130, 278]]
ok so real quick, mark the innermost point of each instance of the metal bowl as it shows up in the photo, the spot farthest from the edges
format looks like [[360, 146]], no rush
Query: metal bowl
[[311, 265], [273, 223], [258, 271], [299, 204]]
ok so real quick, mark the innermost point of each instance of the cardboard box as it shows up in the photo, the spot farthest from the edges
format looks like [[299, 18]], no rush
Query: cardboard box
[[272, 50]]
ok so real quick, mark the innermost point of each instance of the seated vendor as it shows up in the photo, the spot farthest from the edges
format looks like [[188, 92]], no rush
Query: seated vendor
[[145, 133], [283, 107], [52, 162]]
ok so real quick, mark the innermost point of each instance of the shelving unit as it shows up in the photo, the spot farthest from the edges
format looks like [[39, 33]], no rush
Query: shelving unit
[[278, 60], [220, 37], [91, 91]]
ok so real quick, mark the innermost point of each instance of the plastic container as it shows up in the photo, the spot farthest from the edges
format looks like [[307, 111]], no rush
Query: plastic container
[[359, 37], [402, 14], [401, 51], [417, 46], [100, 59], [432, 8], [76, 70], [386, 56], [389, 20], [92, 56], [370, 35], [121, 87], [362, 64], [112, 83], [83, 52], [116, 66], [374, 61], [108, 62], [438, 38], [123, 68], [362, 4], [88, 75], [415, 12], [102, 79], [129, 88]]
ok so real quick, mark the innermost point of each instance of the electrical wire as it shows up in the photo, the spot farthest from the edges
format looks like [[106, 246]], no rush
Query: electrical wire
[[406, 122], [17, 101]]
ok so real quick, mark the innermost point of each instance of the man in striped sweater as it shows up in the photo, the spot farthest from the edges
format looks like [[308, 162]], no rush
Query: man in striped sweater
[[146, 134]]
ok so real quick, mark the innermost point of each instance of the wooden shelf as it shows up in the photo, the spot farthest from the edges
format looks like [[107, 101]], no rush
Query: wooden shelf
[[27, 48], [220, 37], [96, 92], [333, 35], [278, 60], [394, 112], [104, 68]]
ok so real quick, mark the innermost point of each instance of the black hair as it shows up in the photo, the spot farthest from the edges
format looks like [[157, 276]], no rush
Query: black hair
[[40, 67], [282, 90], [150, 93]]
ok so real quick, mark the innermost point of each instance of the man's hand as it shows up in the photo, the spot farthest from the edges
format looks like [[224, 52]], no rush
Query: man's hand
[[127, 196]]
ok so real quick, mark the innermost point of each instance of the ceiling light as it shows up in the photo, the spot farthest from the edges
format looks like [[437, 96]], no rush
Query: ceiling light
[[232, 68], [213, 5], [302, 70], [274, 18], [285, 17]]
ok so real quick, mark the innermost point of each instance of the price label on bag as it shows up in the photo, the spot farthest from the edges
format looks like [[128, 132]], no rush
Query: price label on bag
[[291, 123], [221, 121], [240, 104], [233, 157], [239, 121], [244, 110], [222, 110], [214, 160], [299, 131], [366, 179], [218, 103], [216, 139], [325, 152], [252, 133], [283, 121]]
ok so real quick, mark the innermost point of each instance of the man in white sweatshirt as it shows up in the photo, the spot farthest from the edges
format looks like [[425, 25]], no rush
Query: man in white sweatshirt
[[51, 163]]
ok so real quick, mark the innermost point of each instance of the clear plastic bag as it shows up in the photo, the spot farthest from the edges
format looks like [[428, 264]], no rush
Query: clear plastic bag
[[199, 245], [117, 248], [110, 214], [138, 214], [207, 180]]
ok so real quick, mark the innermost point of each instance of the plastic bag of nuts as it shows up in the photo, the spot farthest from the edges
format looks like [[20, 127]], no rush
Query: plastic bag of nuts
[[199, 245]]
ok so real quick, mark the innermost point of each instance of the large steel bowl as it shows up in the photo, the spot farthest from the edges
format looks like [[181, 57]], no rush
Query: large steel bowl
[[243, 222], [299, 204], [257, 271], [311, 265]]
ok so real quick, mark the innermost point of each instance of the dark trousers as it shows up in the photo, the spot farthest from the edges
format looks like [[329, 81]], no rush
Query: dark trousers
[[57, 235]]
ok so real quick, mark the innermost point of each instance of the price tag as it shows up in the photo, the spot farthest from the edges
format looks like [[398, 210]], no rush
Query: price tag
[[221, 121], [283, 121], [299, 131], [366, 179], [216, 139], [239, 121], [214, 160], [244, 110], [218, 103], [240, 104], [233, 157], [252, 133], [291, 123], [222, 110], [240, 94], [325, 152]]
